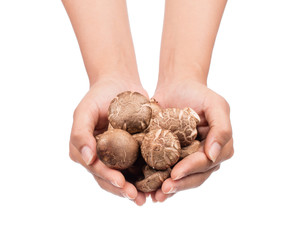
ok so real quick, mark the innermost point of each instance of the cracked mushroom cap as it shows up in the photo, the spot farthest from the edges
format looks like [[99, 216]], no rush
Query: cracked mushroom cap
[[130, 111], [153, 179], [156, 108], [160, 149], [117, 149], [182, 122]]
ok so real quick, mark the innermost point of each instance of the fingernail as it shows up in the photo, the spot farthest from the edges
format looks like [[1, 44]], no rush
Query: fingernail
[[114, 183], [172, 190], [87, 155], [215, 151], [127, 196]]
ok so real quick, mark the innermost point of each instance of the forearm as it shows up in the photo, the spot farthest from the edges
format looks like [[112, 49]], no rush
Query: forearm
[[103, 33], [190, 29]]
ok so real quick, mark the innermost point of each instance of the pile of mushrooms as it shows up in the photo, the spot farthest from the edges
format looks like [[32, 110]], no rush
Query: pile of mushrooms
[[144, 141]]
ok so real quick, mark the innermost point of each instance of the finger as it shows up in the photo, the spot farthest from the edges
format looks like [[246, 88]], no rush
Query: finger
[[128, 191], [140, 199], [147, 194], [85, 118], [153, 196], [198, 162], [161, 197], [99, 169], [202, 132], [217, 112], [192, 181]]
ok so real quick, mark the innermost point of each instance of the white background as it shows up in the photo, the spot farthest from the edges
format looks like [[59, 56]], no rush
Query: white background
[[44, 195]]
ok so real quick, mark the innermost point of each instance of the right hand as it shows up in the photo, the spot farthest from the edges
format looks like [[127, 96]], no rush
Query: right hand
[[91, 116], [215, 132]]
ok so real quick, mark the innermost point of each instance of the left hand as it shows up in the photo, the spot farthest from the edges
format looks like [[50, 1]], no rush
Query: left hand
[[214, 131]]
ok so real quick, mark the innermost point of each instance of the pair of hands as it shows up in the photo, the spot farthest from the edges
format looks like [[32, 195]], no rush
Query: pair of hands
[[90, 117]]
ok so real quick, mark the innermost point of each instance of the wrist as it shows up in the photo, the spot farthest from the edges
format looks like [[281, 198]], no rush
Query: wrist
[[182, 79], [119, 80], [118, 71], [116, 77], [182, 85], [181, 73]]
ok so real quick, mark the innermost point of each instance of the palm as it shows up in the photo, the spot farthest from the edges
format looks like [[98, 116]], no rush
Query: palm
[[190, 94], [101, 95]]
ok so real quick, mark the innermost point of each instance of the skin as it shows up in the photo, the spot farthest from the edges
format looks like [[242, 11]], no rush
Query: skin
[[190, 28], [103, 33], [186, 51]]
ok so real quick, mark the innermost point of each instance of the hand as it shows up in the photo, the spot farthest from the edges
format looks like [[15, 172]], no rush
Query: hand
[[214, 131], [91, 116]]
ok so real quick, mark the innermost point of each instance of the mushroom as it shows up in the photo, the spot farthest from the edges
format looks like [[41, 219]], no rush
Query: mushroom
[[153, 179], [192, 148], [130, 111], [117, 149], [182, 122], [160, 149], [139, 137], [156, 108], [140, 132]]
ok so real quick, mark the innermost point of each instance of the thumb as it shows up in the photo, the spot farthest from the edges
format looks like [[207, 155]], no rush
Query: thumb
[[85, 118], [217, 113]]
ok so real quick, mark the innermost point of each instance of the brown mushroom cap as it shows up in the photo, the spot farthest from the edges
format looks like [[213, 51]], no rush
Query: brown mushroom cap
[[139, 137], [192, 148], [182, 122], [130, 111], [153, 179], [156, 108], [160, 149], [117, 149]]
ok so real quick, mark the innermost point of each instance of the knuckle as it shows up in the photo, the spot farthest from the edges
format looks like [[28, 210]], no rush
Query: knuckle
[[75, 112], [226, 133], [101, 183], [225, 104], [231, 153], [217, 167], [76, 136], [72, 157], [231, 149], [201, 180]]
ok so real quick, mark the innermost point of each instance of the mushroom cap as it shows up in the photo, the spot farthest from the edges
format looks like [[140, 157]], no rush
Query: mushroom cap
[[182, 122], [156, 108], [192, 148], [160, 149], [139, 137], [117, 149], [153, 179], [130, 111]]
